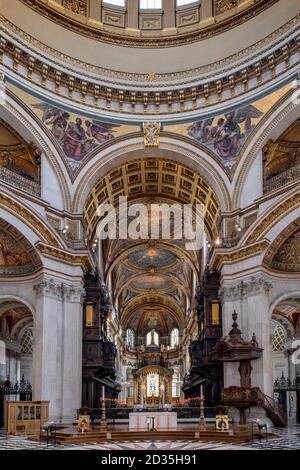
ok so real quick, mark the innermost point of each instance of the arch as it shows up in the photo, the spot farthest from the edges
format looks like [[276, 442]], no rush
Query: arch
[[15, 298], [17, 115], [283, 298], [171, 147], [272, 125], [274, 219], [279, 240], [28, 221]]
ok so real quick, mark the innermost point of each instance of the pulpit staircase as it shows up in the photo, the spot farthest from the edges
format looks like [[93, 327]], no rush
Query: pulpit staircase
[[273, 409]]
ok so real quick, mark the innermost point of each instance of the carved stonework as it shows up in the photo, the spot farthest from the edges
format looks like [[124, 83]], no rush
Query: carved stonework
[[73, 293], [151, 133], [248, 288], [113, 18], [224, 5], [76, 6], [53, 288], [186, 18], [152, 22]]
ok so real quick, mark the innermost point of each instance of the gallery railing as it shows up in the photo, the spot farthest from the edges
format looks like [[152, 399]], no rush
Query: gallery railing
[[19, 182], [277, 182]]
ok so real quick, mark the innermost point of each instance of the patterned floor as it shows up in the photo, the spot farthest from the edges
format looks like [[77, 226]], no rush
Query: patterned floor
[[287, 439]]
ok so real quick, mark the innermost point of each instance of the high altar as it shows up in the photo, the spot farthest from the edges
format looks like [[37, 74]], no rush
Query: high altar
[[151, 420]]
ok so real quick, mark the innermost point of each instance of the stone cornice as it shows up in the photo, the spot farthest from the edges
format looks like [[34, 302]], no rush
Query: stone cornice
[[74, 259], [233, 256]]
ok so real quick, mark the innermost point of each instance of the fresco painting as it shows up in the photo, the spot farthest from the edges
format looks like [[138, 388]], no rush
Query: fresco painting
[[226, 134], [78, 136]]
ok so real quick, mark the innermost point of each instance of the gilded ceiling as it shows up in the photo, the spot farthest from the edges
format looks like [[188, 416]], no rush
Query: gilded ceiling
[[17, 256], [288, 256]]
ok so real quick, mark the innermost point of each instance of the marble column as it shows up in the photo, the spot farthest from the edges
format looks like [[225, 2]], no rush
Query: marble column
[[72, 351]]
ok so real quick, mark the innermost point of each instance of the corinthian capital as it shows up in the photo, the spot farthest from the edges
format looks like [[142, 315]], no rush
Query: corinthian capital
[[73, 293], [245, 288], [48, 287]]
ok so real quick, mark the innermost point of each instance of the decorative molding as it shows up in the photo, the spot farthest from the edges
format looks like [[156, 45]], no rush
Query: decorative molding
[[76, 6], [151, 133], [222, 257], [252, 70], [72, 259], [278, 242]]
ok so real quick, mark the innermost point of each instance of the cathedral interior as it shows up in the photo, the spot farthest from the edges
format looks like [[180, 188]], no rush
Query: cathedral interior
[[166, 103]]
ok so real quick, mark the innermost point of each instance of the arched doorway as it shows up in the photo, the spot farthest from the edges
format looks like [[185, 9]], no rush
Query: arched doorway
[[16, 341]]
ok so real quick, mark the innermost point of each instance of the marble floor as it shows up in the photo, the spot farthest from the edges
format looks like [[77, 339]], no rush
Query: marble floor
[[286, 439]]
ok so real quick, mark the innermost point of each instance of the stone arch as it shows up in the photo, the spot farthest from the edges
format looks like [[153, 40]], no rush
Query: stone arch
[[28, 221], [133, 149]]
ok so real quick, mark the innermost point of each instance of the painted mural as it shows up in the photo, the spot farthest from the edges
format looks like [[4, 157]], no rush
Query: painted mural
[[225, 135], [76, 135]]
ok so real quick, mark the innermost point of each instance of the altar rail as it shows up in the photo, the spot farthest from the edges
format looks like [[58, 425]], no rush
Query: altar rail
[[122, 413]]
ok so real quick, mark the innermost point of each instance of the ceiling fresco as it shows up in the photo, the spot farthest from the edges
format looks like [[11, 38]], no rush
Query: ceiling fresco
[[77, 136], [225, 135]]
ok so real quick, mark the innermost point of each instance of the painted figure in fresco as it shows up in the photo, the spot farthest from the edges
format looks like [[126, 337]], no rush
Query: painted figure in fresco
[[77, 139], [74, 140], [227, 136], [100, 131]]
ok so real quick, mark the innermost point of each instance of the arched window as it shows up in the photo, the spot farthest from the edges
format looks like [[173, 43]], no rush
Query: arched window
[[150, 4], [152, 338], [119, 3], [130, 338], [174, 338]]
